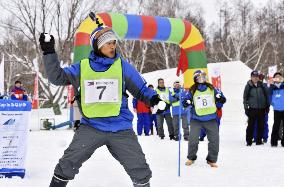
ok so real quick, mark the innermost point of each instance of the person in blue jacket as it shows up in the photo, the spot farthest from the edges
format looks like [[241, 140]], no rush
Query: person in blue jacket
[[100, 83], [143, 112], [175, 112], [204, 100], [218, 120], [256, 105], [277, 101]]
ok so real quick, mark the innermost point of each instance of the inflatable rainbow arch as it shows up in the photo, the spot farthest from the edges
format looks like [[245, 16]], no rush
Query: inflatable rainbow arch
[[150, 28]]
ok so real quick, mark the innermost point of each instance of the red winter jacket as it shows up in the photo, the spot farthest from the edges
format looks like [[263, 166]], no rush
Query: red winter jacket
[[140, 106]]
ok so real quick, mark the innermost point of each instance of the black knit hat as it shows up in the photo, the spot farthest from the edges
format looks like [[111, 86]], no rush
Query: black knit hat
[[254, 73], [18, 82], [277, 73]]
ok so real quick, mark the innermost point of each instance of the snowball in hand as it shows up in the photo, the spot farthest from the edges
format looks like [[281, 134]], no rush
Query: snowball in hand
[[47, 37], [162, 105], [218, 96]]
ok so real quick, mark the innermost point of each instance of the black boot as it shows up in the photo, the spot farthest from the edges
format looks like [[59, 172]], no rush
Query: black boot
[[58, 181], [249, 143], [141, 185], [259, 143], [274, 143], [176, 138]]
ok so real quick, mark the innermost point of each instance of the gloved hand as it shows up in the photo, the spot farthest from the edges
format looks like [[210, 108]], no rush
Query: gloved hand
[[47, 43], [186, 103], [155, 100], [219, 98], [163, 97], [176, 96], [162, 107], [159, 106]]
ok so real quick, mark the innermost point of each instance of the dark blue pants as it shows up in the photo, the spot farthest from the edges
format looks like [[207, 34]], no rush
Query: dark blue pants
[[143, 122]]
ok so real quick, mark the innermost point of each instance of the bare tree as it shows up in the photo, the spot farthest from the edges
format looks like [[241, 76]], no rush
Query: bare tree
[[30, 18], [255, 35]]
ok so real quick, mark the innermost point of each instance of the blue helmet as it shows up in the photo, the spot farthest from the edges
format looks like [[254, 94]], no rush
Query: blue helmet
[[197, 74]]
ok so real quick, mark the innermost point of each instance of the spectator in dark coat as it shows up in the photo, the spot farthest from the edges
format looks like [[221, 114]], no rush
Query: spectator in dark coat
[[266, 127], [256, 104]]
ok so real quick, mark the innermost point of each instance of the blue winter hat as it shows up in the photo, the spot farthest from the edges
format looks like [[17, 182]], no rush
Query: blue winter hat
[[197, 74], [101, 36]]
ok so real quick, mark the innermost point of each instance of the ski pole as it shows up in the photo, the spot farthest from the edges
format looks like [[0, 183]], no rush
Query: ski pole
[[179, 133]]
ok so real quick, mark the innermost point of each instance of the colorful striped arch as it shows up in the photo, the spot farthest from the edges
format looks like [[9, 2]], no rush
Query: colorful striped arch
[[150, 28]]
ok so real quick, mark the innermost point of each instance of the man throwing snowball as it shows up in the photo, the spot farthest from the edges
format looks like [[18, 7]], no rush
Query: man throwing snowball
[[100, 83]]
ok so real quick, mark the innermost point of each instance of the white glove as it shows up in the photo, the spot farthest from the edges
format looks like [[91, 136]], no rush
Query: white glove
[[160, 106], [155, 109], [47, 37], [218, 96], [163, 97], [188, 102]]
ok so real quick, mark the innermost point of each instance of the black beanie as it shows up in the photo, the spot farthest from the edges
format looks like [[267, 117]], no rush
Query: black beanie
[[277, 73]]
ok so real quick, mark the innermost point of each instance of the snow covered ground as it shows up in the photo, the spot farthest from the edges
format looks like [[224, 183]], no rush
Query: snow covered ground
[[239, 165]]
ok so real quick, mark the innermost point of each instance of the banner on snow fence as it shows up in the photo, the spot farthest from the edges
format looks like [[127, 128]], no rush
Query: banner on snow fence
[[216, 77], [14, 120]]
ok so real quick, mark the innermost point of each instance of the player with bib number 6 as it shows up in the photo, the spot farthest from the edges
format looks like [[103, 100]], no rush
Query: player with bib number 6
[[100, 83], [205, 100]]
